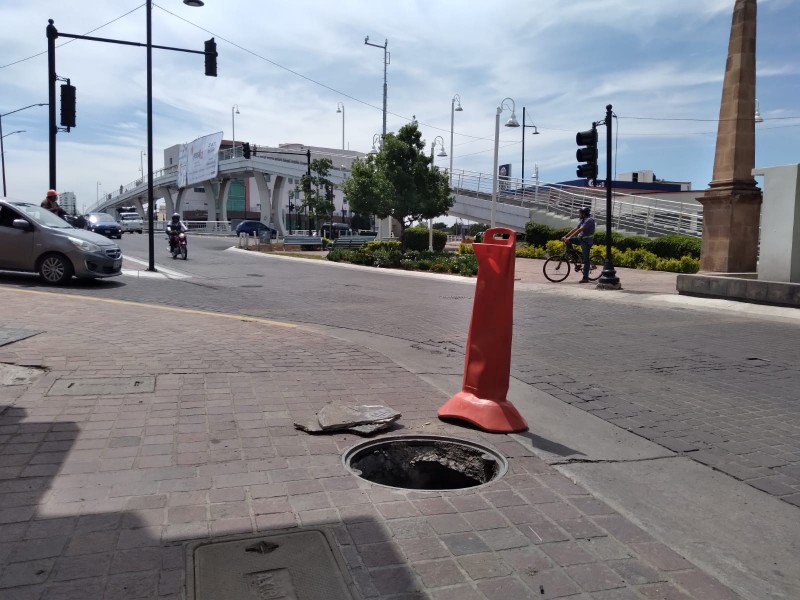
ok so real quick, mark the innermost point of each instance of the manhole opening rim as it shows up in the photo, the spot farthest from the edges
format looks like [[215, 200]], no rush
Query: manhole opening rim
[[502, 462]]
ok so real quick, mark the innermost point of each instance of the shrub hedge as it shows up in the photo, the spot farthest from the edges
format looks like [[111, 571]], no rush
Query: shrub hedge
[[416, 238], [629, 254], [667, 246]]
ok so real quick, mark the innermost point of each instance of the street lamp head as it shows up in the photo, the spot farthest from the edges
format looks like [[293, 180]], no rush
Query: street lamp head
[[535, 131], [512, 122], [236, 107], [442, 153], [194, 3], [339, 107], [457, 100], [458, 108]]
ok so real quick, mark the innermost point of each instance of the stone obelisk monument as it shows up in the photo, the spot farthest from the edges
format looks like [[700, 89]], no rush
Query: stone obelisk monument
[[732, 204]]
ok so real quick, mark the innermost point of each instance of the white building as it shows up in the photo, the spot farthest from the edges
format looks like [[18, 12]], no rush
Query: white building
[[68, 202]]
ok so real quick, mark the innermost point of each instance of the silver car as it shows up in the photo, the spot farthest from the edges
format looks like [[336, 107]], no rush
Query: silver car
[[34, 240]]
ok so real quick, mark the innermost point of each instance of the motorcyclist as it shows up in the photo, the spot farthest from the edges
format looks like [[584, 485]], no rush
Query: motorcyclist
[[174, 227]]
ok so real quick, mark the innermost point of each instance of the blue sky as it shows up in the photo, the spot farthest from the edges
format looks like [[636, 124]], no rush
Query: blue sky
[[287, 65]]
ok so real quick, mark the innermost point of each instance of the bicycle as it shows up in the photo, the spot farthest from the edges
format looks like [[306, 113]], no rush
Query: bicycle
[[556, 268]]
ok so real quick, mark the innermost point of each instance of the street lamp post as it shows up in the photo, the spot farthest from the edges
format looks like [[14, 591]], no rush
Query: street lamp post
[[233, 129], [512, 122], [535, 132], [141, 162], [453, 110], [98, 192], [442, 153], [3, 154], [386, 60], [151, 264], [1, 137], [340, 109]]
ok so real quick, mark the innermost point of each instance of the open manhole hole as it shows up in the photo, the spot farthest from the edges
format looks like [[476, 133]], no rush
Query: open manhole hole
[[425, 463]]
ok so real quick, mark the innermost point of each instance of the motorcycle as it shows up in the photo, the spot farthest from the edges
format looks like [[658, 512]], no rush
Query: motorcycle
[[177, 245]]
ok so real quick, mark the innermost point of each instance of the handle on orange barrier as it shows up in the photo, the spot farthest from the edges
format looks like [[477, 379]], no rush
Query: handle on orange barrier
[[500, 236]]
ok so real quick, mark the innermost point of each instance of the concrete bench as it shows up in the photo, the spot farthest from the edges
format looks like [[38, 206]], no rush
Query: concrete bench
[[302, 240], [352, 241]]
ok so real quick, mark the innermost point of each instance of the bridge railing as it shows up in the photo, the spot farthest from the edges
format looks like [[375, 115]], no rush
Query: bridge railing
[[644, 215], [157, 174]]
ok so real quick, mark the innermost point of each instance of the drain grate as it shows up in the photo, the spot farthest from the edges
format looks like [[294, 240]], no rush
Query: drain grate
[[425, 463], [299, 565]]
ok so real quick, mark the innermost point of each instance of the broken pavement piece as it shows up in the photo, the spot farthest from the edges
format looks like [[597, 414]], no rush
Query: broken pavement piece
[[311, 425], [334, 416], [361, 420]]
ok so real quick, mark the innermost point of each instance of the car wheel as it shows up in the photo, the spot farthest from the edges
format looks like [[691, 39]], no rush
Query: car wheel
[[55, 269], [139, 232]]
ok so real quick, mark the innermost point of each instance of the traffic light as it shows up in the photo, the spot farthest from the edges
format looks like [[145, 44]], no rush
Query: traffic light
[[211, 57], [588, 154], [67, 105], [246, 149]]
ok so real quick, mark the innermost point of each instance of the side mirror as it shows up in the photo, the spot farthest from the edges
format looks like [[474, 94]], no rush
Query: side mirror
[[21, 224]]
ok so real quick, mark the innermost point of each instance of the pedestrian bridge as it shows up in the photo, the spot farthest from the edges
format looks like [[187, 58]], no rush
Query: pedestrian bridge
[[517, 203]]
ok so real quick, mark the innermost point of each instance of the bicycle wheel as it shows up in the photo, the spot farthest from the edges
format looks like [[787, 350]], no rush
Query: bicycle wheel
[[596, 267], [556, 268]]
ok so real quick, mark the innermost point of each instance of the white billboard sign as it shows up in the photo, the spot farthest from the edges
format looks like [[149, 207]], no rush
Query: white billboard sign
[[199, 160]]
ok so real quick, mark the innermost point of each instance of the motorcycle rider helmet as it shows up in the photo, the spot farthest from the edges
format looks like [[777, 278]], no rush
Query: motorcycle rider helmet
[[176, 217]]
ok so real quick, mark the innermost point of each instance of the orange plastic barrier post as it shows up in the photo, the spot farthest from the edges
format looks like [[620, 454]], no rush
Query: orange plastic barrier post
[[487, 367]]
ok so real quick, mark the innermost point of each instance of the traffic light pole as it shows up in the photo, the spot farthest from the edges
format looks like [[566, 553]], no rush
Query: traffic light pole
[[608, 280], [210, 53]]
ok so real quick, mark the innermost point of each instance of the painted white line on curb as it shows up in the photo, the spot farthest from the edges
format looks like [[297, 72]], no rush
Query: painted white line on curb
[[159, 269]]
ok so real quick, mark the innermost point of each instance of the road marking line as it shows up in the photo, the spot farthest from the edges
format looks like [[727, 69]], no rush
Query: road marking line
[[191, 311], [160, 269], [143, 274]]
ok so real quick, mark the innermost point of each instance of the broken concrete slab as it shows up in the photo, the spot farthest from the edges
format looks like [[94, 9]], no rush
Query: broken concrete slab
[[17, 375], [361, 420]]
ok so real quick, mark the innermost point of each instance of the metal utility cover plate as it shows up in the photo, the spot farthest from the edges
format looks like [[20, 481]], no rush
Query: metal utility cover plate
[[293, 566], [9, 334], [103, 386]]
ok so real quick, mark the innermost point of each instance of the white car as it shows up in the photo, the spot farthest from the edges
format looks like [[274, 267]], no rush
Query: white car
[[131, 222]]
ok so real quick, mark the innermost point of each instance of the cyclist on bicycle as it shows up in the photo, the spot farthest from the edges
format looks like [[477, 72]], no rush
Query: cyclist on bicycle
[[585, 233]]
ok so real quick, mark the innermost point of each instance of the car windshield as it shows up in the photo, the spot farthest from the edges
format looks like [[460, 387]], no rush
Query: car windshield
[[101, 218], [42, 215]]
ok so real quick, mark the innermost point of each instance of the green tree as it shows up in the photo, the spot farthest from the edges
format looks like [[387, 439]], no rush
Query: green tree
[[317, 189], [398, 181]]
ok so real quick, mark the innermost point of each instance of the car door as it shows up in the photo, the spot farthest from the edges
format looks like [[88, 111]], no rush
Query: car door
[[16, 245]]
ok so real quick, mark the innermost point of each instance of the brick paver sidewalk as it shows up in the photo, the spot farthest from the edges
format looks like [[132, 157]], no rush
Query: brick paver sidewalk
[[99, 494]]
